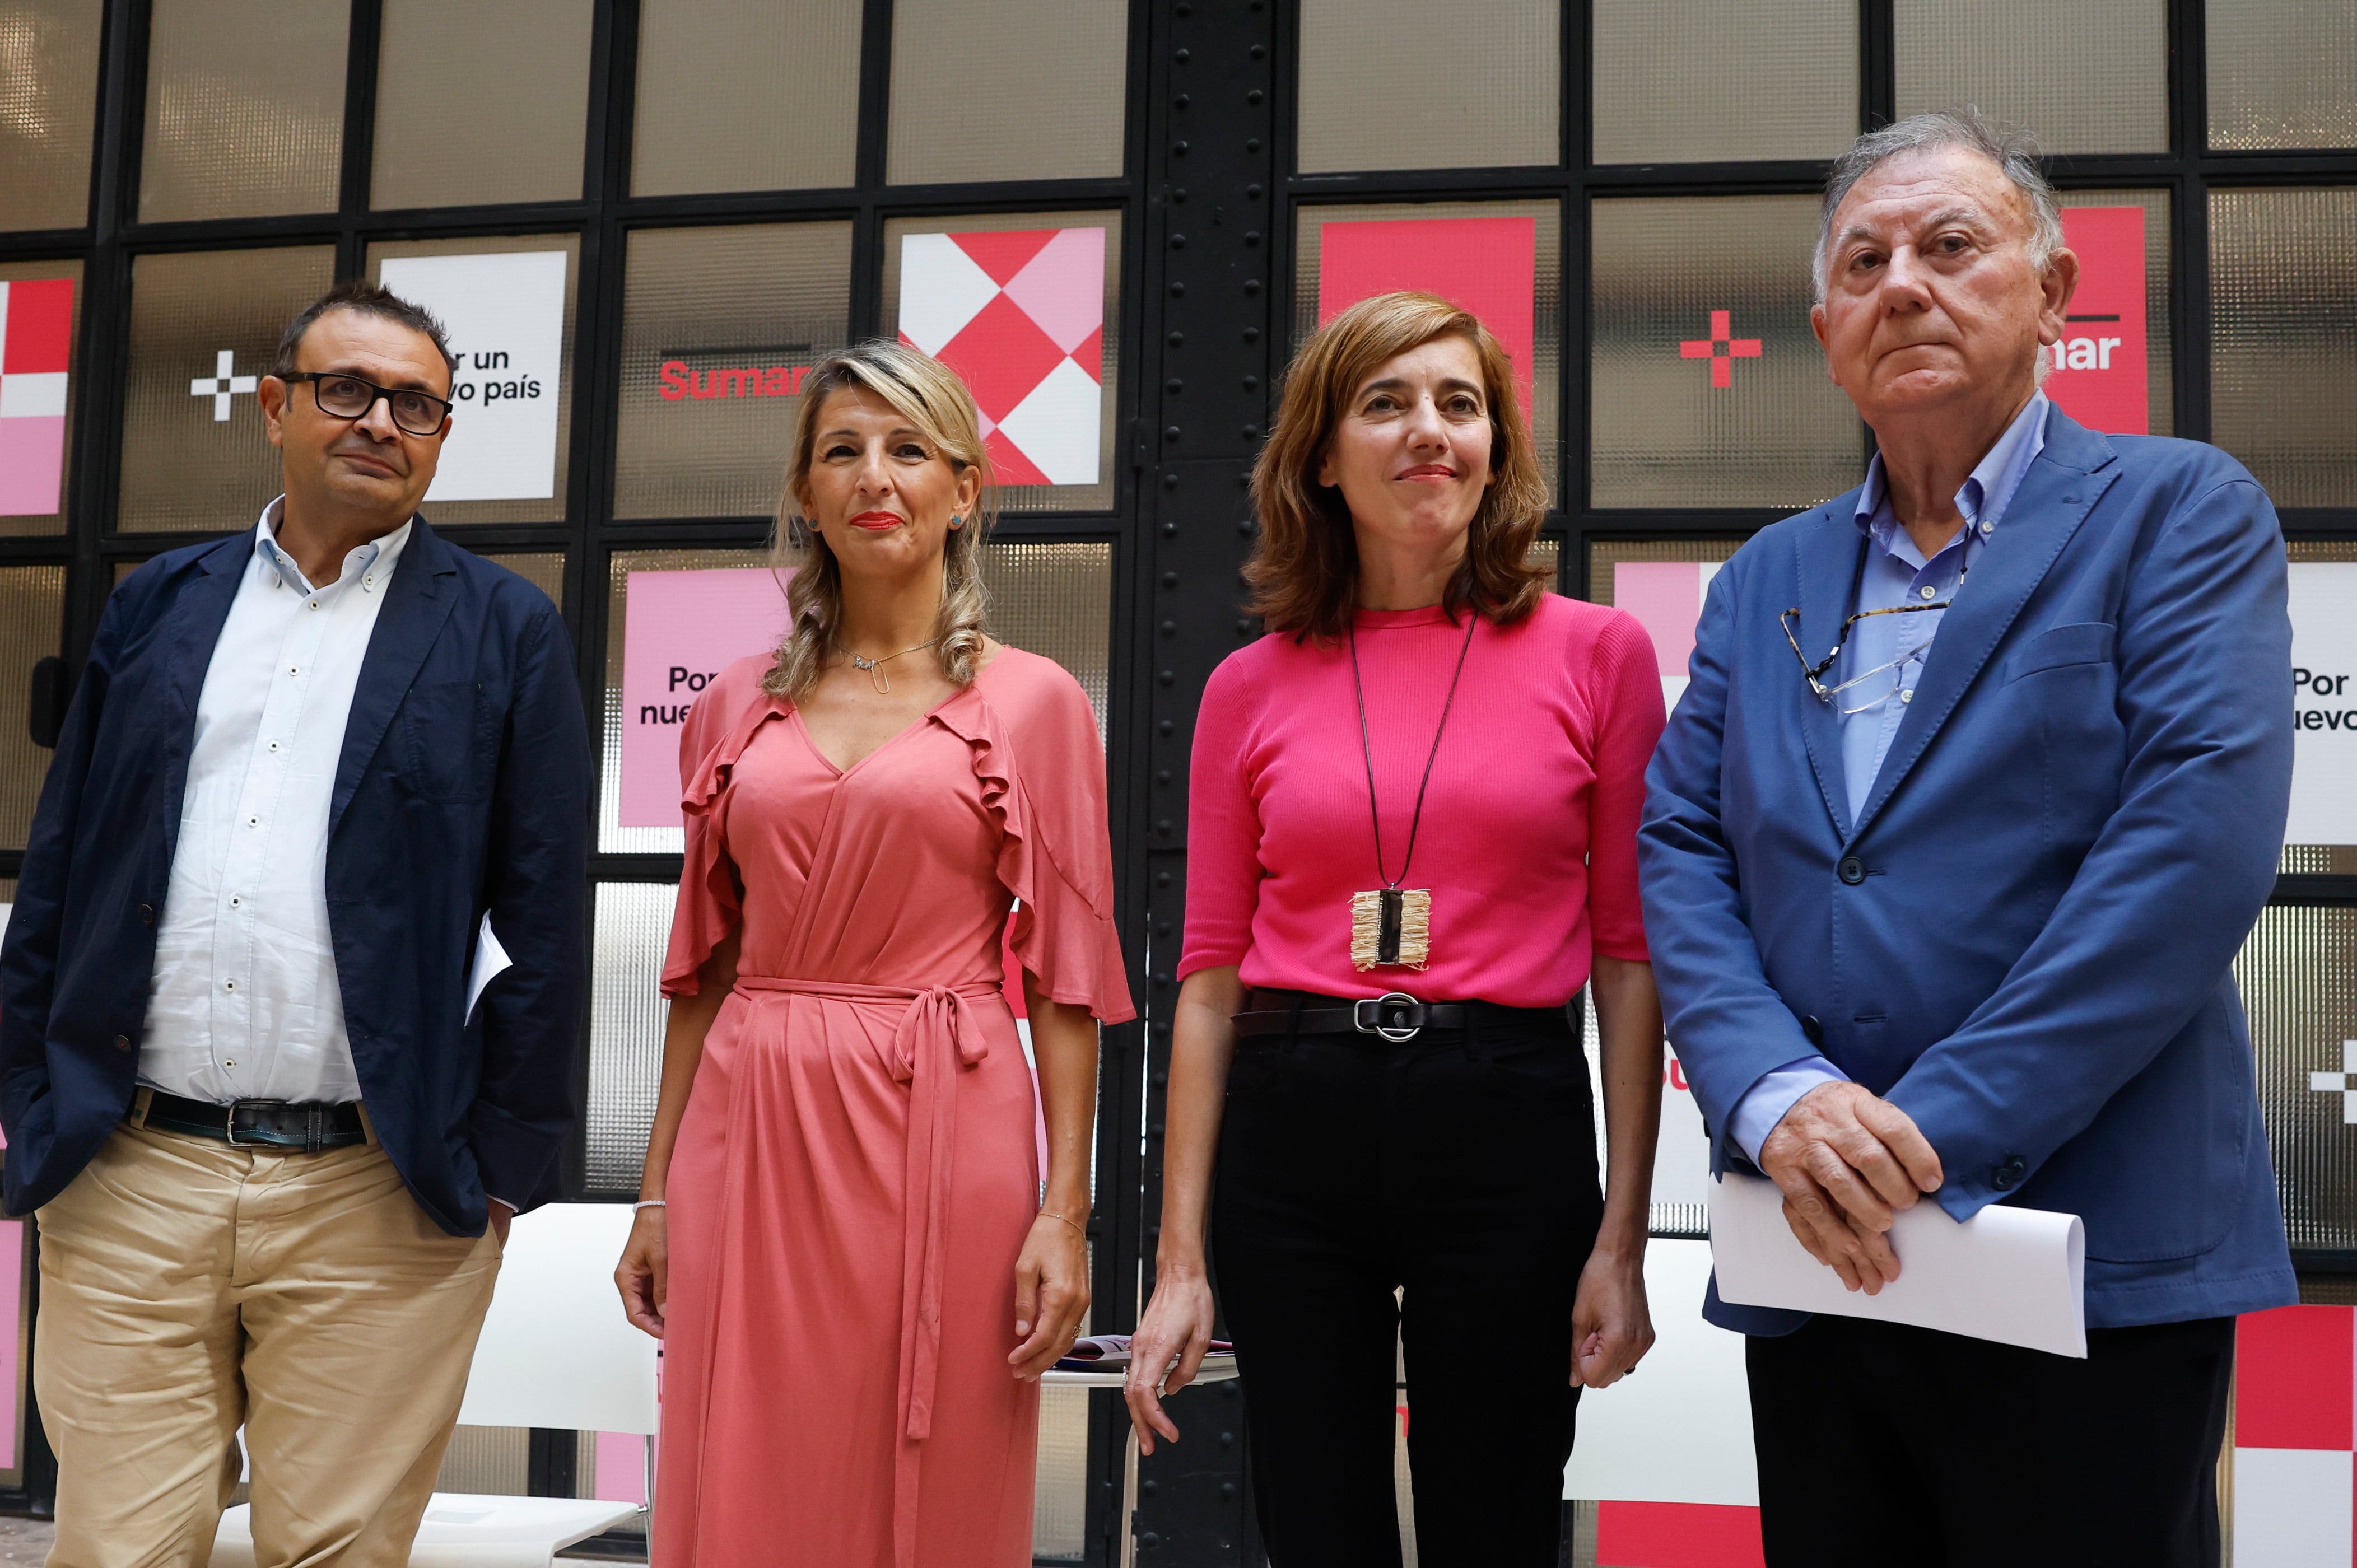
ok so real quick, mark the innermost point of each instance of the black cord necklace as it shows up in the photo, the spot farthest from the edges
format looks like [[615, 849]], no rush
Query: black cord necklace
[[1392, 924]]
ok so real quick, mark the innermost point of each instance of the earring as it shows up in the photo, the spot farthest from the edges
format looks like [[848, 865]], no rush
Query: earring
[[956, 522]]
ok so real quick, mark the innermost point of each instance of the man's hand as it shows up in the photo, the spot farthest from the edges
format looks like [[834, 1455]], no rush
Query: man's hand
[[501, 1216], [1848, 1161]]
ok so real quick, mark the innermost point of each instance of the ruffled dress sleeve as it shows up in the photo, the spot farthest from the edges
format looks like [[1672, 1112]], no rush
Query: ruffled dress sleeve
[[719, 725], [1042, 771]]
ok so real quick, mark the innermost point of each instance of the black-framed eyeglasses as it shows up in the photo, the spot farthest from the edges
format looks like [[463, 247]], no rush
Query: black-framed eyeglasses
[[1790, 620], [349, 397]]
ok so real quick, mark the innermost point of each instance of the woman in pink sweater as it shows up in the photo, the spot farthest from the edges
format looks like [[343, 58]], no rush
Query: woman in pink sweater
[[1412, 840]]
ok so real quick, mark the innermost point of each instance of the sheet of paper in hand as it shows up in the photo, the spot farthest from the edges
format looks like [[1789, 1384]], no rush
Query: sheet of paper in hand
[[2014, 1275]]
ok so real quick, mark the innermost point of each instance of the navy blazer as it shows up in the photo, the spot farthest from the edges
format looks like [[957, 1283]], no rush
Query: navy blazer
[[463, 790], [2026, 940]]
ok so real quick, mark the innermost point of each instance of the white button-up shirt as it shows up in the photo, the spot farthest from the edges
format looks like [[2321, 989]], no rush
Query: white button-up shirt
[[244, 1004]]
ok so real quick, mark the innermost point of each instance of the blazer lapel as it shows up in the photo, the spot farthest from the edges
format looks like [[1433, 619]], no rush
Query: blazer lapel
[[2060, 487], [195, 628], [415, 605], [1824, 555]]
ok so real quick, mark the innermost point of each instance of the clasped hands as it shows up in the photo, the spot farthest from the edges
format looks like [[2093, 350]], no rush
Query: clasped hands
[[1848, 1162]]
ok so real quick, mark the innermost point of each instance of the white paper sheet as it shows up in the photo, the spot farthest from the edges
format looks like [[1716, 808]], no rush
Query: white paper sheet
[[2014, 1275], [490, 959]]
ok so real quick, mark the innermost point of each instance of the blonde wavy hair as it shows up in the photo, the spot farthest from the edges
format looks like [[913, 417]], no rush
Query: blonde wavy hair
[[930, 396], [1304, 569]]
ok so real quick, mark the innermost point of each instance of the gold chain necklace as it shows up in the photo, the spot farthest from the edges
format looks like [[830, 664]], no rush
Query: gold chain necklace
[[874, 667]]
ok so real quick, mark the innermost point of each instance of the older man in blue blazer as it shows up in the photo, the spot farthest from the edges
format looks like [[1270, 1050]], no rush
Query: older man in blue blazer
[[1979, 784], [267, 1087]]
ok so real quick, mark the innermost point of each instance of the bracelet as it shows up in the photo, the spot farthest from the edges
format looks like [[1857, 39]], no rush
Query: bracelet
[[649, 1203], [1051, 1213]]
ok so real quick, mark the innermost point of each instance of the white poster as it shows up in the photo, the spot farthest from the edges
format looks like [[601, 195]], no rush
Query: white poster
[[506, 319], [2324, 703]]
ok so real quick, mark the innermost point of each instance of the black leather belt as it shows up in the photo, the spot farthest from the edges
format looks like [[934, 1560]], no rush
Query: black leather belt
[[1394, 1015], [309, 1125]]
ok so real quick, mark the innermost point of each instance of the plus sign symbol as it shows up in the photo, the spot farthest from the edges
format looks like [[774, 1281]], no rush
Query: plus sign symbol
[[2340, 1082], [1722, 348], [221, 385]]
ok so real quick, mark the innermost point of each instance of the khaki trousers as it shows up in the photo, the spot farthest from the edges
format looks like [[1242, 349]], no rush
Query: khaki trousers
[[188, 1286]]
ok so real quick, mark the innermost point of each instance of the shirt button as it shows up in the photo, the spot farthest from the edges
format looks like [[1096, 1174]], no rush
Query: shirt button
[[273, 746], [1988, 528], [1907, 696], [253, 821], [294, 669], [229, 985], [1929, 592], [230, 1066], [235, 902]]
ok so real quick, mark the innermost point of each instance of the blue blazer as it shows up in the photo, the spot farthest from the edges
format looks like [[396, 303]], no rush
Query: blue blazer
[[2077, 822], [463, 790]]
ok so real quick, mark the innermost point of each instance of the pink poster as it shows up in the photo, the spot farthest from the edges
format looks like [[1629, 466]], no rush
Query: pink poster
[[679, 630], [1020, 315], [1486, 265], [1666, 598], [2100, 374], [36, 339]]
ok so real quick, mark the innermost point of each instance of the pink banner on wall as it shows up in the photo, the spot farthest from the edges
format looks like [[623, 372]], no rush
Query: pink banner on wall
[[36, 342], [2100, 376], [1486, 265], [1666, 598], [679, 630]]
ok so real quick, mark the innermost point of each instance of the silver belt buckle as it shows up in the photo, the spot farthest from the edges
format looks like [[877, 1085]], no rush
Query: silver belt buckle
[[1393, 1000], [229, 1126]]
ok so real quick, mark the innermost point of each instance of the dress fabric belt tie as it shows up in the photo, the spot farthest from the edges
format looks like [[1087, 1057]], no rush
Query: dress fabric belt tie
[[939, 1034]]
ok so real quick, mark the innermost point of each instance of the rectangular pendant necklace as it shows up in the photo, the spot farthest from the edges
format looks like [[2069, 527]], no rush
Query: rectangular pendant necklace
[[1391, 926]]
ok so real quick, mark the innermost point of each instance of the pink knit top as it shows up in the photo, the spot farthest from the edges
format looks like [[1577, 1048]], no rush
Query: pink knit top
[[1529, 842]]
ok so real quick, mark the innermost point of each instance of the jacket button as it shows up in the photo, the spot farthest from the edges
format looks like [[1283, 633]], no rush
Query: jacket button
[[147, 914], [1851, 870], [2008, 1173], [122, 1042], [1813, 1029]]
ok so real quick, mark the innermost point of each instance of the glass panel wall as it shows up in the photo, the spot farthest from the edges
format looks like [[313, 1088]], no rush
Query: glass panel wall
[[1379, 91], [1698, 81], [1707, 388], [2280, 73], [2282, 313], [245, 108], [709, 114], [1007, 90], [456, 79], [2089, 77], [204, 328], [718, 328], [32, 620], [48, 106]]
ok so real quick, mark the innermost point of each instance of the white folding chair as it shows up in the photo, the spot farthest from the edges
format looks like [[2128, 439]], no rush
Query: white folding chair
[[556, 1352]]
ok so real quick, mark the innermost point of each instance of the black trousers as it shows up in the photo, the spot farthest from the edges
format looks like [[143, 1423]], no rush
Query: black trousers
[[1884, 1447], [1460, 1166]]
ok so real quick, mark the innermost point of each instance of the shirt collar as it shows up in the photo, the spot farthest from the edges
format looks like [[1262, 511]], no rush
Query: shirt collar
[[376, 558], [1986, 489]]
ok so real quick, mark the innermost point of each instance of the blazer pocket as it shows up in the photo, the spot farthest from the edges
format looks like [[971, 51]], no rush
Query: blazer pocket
[[450, 732], [2082, 642]]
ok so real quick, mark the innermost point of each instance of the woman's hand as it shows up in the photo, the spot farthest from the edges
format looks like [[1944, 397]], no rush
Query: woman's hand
[[1178, 1323], [1052, 1296], [644, 1277], [1610, 1328]]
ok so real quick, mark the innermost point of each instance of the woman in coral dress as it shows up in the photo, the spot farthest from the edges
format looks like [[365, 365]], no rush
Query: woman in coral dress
[[845, 1242]]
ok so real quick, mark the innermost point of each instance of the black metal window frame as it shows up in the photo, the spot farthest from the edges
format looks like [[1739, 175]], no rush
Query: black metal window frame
[[1209, 203]]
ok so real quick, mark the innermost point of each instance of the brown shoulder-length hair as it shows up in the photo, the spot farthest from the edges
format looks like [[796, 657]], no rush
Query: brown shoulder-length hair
[[1305, 567]]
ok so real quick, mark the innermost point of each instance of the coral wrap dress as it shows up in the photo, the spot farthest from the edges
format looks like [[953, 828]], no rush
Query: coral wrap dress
[[856, 1171]]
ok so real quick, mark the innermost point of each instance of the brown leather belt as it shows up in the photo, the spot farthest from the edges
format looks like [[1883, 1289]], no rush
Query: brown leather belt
[[309, 1125], [1394, 1015]]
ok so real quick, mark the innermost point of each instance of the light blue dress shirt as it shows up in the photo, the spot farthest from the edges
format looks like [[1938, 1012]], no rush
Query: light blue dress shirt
[[1880, 667]]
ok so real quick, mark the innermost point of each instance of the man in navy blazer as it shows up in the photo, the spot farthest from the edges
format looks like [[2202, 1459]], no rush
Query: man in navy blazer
[[1978, 786], [315, 778]]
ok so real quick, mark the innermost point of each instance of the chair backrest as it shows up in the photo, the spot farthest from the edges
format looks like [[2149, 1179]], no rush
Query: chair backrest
[[557, 1350]]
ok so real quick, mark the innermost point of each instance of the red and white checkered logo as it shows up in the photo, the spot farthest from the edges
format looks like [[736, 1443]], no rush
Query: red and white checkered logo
[[35, 337], [1020, 315], [2295, 1450]]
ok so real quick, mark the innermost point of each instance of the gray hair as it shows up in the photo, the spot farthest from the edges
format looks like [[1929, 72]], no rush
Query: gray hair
[[2007, 146]]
